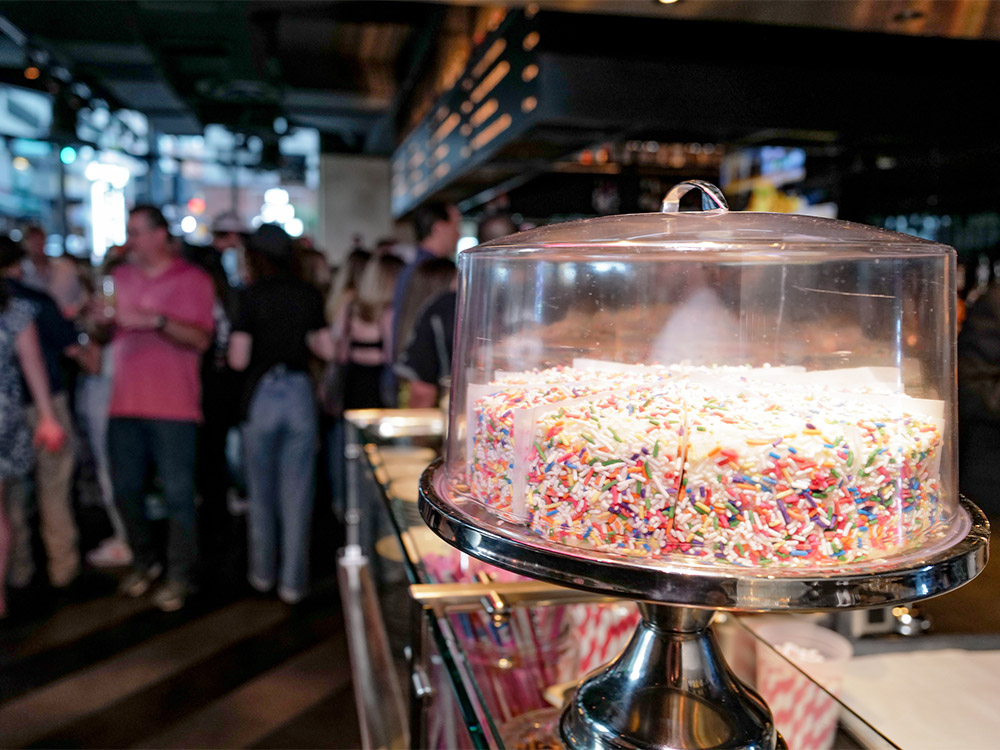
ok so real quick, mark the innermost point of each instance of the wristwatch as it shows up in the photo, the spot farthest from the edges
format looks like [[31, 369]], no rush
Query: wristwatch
[[161, 322]]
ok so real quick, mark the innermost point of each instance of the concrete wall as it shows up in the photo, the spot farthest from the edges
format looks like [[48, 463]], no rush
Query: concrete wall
[[353, 199]]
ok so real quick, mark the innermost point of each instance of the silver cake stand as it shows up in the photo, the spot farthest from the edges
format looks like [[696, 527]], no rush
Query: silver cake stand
[[671, 687]]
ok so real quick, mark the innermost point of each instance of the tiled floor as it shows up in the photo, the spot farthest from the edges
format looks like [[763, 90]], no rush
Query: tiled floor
[[231, 669]]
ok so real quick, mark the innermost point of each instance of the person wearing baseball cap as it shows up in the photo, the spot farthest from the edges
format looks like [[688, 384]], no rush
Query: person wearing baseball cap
[[228, 230], [229, 240]]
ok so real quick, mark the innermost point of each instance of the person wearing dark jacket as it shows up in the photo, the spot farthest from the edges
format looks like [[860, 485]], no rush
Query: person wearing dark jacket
[[220, 389], [979, 403]]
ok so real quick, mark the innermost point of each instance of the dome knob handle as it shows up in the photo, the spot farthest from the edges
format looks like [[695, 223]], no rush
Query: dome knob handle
[[711, 197]]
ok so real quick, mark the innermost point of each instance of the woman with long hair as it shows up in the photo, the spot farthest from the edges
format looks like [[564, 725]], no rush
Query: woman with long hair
[[363, 334], [345, 283]]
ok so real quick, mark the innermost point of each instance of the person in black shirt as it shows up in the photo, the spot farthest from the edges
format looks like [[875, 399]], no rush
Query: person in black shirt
[[280, 326], [220, 389], [979, 402], [426, 361]]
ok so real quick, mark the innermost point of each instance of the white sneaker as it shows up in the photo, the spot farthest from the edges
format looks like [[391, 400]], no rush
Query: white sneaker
[[259, 584], [171, 596], [111, 553], [290, 596], [138, 582]]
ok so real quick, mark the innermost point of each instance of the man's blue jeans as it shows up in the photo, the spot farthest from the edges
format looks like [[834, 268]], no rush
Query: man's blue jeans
[[169, 445], [279, 440]]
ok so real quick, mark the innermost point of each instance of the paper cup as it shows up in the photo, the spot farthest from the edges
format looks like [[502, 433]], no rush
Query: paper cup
[[804, 713]]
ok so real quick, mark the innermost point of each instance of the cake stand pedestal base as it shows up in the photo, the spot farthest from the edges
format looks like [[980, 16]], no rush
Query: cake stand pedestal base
[[670, 689]]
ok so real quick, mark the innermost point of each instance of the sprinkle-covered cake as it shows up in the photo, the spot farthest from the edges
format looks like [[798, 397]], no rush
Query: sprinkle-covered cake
[[718, 464]]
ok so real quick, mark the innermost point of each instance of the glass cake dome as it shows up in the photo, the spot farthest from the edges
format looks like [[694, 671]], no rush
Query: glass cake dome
[[710, 387]]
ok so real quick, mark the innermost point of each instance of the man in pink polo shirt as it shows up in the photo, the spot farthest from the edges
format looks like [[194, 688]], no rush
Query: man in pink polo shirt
[[163, 322]]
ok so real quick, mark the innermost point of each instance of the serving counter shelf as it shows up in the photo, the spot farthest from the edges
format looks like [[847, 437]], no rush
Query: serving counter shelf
[[487, 657]]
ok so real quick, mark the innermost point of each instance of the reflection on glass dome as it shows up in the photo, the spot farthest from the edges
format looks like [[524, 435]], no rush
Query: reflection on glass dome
[[716, 388]]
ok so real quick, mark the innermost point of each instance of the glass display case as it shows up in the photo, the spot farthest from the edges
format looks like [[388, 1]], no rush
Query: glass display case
[[491, 655]]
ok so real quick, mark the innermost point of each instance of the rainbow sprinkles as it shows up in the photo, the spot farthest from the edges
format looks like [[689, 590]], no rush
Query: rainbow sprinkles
[[745, 466]]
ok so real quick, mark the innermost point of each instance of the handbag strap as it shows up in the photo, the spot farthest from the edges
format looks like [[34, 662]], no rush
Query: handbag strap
[[343, 336]]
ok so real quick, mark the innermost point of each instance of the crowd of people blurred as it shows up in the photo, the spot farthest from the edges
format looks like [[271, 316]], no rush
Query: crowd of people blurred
[[190, 384]]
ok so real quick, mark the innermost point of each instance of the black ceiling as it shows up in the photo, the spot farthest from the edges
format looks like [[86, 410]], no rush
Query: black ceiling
[[337, 66], [894, 116], [349, 67], [913, 77]]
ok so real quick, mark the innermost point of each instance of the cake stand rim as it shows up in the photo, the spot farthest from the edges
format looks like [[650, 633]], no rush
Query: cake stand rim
[[729, 588]]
